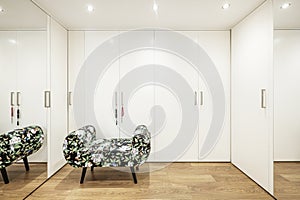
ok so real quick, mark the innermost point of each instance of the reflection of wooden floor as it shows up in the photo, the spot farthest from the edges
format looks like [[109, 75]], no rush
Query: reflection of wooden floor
[[287, 180], [21, 183], [177, 181]]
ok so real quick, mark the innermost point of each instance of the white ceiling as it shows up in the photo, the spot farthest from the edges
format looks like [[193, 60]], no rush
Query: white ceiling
[[21, 15], [286, 18], [132, 14]]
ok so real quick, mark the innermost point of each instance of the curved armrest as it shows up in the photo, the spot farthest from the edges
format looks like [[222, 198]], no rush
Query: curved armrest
[[76, 147], [19, 143], [141, 145]]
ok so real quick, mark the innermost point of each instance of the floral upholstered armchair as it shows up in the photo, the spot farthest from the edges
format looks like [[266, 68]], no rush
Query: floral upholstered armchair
[[82, 149], [19, 144]]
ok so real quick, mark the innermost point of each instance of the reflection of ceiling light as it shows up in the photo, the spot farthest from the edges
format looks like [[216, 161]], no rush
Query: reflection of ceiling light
[[226, 6], [12, 41], [285, 5], [155, 7], [90, 8], [1, 9]]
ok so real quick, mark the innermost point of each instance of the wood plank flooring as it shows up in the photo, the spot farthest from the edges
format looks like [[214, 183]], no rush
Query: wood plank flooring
[[287, 180], [182, 181], [21, 183]]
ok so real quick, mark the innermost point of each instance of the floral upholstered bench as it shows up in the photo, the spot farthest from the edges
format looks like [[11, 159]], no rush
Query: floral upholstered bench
[[82, 149], [19, 144]]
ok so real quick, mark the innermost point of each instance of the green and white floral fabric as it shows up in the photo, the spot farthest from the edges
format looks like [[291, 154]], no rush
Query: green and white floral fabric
[[19, 143], [81, 149]]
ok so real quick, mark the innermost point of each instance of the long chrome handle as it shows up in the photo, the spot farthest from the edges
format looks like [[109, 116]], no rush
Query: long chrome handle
[[263, 98], [70, 98], [18, 98], [47, 99], [195, 98], [12, 95], [201, 98]]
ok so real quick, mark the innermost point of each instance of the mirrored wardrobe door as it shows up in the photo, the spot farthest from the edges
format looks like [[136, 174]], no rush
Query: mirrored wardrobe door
[[286, 99], [23, 64]]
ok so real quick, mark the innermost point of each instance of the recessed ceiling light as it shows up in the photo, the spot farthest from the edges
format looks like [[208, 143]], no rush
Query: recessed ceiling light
[[1, 9], [90, 8], [285, 5], [155, 7], [225, 6]]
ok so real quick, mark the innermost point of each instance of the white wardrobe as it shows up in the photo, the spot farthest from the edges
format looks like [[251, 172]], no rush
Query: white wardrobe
[[136, 78], [252, 96]]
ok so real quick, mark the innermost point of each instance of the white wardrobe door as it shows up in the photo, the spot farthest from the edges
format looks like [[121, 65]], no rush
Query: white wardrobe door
[[217, 46], [136, 84], [58, 85], [8, 67], [76, 59], [191, 152], [31, 83], [286, 95], [106, 96], [176, 87], [252, 106]]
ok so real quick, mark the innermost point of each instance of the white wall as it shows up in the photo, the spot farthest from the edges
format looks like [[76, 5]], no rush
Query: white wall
[[57, 82], [252, 125], [217, 46], [286, 95]]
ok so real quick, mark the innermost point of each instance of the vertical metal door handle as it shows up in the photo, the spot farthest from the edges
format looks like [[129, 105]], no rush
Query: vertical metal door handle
[[70, 98], [121, 98], [47, 99], [116, 108], [263, 98], [201, 98], [122, 106], [18, 98], [196, 98], [12, 95]]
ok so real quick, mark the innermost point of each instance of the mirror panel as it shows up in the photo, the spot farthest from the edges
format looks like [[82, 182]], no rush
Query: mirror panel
[[286, 100], [23, 68]]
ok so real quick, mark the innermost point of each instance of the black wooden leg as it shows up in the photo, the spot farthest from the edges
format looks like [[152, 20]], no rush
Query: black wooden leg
[[137, 168], [92, 168], [4, 175], [133, 175], [83, 175], [25, 160]]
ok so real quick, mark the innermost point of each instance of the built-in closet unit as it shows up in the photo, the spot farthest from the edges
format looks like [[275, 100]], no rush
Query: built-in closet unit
[[252, 96], [136, 78]]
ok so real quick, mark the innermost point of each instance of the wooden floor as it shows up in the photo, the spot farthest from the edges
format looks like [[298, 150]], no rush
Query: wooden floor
[[21, 183], [176, 181], [287, 180]]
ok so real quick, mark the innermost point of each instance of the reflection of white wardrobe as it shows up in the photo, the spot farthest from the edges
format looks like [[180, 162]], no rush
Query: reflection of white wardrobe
[[110, 96], [34, 64], [286, 95], [22, 79]]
